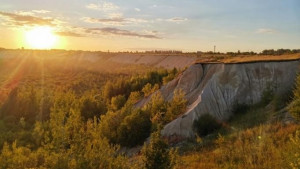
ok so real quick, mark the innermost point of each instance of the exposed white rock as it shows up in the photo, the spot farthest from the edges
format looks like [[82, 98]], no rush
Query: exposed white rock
[[215, 88]]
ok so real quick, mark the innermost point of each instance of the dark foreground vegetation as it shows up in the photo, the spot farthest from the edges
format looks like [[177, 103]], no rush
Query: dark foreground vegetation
[[59, 112]]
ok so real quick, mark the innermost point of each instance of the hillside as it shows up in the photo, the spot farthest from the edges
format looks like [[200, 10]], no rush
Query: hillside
[[216, 88], [168, 61], [68, 109], [165, 60]]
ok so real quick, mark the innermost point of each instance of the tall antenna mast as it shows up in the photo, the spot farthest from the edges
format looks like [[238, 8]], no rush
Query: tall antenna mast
[[215, 49]]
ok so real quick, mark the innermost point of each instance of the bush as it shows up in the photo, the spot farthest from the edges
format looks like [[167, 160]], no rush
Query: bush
[[91, 106], [294, 107], [267, 95], [117, 102], [156, 154], [240, 108], [282, 100], [176, 106], [206, 124], [127, 127], [135, 128]]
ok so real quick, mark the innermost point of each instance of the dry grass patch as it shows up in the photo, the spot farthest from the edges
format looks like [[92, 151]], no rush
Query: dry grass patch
[[248, 58], [266, 146]]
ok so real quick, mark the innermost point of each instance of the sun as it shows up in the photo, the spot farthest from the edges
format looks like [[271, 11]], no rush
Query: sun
[[40, 38]]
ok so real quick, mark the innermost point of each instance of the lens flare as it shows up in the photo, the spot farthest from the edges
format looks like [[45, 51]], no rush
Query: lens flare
[[40, 38]]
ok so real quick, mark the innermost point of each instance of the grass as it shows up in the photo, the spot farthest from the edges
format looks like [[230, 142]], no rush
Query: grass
[[264, 146], [247, 58], [251, 139]]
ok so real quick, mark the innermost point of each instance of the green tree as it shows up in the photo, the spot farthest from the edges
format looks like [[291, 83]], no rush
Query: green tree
[[134, 97], [149, 89], [92, 106], [171, 75], [294, 107], [156, 154], [176, 106], [135, 128], [108, 90], [117, 102], [157, 108], [109, 125]]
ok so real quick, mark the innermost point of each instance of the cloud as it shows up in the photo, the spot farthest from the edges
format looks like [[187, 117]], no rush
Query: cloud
[[17, 19], [105, 21], [69, 33], [265, 31], [103, 6], [32, 12], [116, 21], [119, 32], [136, 20], [105, 31], [151, 32], [115, 15], [177, 19], [40, 11], [137, 9]]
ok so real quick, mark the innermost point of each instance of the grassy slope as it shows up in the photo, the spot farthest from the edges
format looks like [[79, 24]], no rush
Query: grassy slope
[[252, 139]]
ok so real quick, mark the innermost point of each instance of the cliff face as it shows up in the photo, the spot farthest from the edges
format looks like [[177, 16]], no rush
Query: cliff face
[[215, 88]]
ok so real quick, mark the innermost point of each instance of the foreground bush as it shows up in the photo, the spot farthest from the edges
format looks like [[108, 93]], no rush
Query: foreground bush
[[206, 124], [156, 154]]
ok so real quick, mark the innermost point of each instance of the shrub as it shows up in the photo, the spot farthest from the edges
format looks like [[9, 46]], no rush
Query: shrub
[[240, 108], [282, 100], [149, 89], [127, 127], [91, 106], [135, 128], [117, 102], [206, 124], [267, 95], [156, 154], [156, 107], [176, 106], [294, 107]]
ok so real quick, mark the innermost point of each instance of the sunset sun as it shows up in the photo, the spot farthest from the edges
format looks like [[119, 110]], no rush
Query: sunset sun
[[40, 38]]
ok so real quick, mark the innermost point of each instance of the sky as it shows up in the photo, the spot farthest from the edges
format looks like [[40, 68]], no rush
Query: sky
[[187, 25]]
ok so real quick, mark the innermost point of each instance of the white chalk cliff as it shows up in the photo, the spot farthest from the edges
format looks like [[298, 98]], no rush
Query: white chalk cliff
[[215, 88]]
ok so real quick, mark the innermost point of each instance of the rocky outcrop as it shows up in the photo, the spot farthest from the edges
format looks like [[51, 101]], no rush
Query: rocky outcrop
[[215, 88]]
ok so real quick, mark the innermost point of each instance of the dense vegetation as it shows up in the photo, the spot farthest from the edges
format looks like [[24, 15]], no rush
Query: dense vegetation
[[67, 115], [60, 112], [294, 107], [157, 155]]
